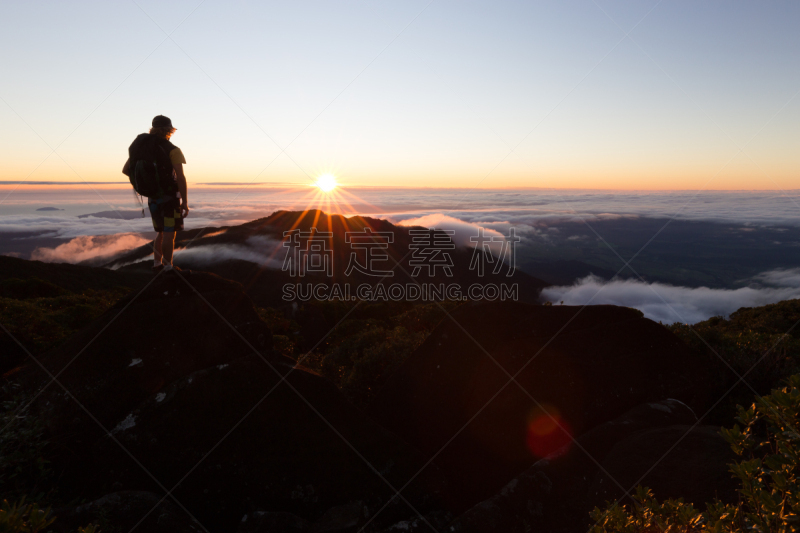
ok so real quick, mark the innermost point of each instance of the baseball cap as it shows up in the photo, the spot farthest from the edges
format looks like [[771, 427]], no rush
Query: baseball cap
[[162, 122]]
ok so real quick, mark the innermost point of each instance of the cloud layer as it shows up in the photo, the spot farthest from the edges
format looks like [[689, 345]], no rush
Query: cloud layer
[[68, 227], [669, 303]]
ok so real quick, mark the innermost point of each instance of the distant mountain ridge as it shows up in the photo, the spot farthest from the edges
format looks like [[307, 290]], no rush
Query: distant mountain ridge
[[255, 254]]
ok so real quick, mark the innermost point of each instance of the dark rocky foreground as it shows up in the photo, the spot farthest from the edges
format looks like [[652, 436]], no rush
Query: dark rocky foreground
[[556, 494], [178, 389], [182, 391], [574, 368]]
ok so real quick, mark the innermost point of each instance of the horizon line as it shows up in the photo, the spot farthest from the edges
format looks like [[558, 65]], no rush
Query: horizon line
[[283, 185]]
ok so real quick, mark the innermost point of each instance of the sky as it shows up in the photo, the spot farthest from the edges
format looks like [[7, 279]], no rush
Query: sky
[[577, 94]]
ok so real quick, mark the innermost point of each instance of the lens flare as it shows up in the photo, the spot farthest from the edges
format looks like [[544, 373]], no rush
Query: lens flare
[[326, 182], [547, 431]]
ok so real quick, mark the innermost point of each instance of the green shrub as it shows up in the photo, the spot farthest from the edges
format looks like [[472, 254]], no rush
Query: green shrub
[[22, 518], [648, 515], [286, 337], [29, 518], [41, 323], [768, 443], [364, 361], [372, 342], [741, 341]]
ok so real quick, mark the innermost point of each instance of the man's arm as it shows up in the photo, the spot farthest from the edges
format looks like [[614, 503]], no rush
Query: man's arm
[[127, 168], [181, 178]]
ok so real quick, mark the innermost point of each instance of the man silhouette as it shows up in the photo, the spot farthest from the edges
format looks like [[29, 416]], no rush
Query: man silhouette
[[167, 212]]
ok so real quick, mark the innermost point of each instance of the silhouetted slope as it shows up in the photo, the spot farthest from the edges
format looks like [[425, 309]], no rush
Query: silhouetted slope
[[42, 304], [74, 278]]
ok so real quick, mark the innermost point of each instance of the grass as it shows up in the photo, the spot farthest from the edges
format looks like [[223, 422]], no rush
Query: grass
[[42, 315]]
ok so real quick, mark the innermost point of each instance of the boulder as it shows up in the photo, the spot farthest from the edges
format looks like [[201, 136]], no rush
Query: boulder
[[341, 519], [582, 365], [275, 522], [551, 494], [122, 511], [144, 342], [687, 462], [231, 425], [436, 519]]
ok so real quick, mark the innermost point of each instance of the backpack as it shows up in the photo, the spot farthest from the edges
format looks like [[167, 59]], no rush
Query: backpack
[[151, 169]]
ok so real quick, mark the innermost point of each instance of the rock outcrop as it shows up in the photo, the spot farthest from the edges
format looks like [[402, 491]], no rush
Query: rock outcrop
[[554, 493], [687, 462], [575, 368]]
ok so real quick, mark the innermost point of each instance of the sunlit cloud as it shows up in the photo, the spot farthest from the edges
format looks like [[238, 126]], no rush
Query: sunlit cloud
[[94, 249], [464, 231]]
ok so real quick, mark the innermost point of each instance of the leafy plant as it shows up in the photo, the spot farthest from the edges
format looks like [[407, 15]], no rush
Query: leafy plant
[[24, 518], [372, 342], [769, 442], [20, 517], [648, 515], [759, 341], [362, 362], [41, 323], [286, 337], [766, 439]]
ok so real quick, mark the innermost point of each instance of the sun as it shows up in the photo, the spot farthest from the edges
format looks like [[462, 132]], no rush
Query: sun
[[326, 182]]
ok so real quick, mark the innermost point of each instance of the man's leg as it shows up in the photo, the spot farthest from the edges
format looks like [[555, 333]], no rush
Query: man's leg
[[167, 247], [157, 247]]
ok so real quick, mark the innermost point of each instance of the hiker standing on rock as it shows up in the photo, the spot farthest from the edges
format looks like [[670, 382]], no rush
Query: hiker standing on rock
[[155, 169]]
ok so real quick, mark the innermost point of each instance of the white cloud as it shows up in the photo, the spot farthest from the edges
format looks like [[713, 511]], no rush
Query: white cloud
[[789, 277], [669, 303], [463, 230], [261, 250], [98, 248]]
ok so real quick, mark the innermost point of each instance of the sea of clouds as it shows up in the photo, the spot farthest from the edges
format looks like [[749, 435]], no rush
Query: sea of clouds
[[658, 301], [97, 235]]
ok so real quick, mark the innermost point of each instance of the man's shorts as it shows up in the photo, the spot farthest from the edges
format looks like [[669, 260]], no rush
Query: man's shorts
[[166, 214]]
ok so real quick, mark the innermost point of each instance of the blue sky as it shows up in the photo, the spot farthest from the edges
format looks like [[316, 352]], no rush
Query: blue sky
[[413, 93]]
